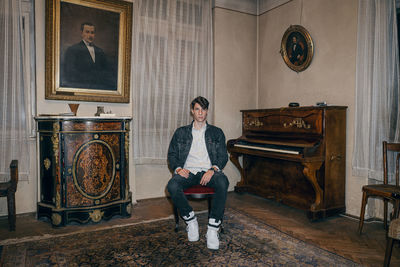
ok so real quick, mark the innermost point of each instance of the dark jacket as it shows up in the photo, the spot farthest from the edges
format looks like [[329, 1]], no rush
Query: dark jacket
[[80, 71], [181, 142]]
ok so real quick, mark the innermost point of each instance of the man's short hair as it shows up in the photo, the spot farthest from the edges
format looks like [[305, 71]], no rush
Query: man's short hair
[[88, 24], [202, 101]]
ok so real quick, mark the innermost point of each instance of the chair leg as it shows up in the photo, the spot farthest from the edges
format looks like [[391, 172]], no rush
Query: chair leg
[[396, 209], [362, 213], [176, 218], [388, 253], [11, 211], [385, 214]]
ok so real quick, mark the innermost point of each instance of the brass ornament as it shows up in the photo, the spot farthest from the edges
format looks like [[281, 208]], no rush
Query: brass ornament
[[46, 164], [256, 122], [127, 146], [56, 218], [96, 215], [297, 122], [129, 208], [58, 200], [55, 140]]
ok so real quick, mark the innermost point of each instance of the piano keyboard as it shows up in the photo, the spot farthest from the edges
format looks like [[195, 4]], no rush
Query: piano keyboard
[[268, 149]]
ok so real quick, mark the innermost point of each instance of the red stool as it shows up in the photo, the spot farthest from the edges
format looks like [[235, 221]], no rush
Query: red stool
[[196, 192]]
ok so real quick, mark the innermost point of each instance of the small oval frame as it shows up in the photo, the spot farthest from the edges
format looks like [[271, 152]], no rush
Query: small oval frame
[[297, 59]]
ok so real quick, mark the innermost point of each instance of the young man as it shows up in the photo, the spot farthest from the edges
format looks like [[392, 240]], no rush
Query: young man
[[197, 154]]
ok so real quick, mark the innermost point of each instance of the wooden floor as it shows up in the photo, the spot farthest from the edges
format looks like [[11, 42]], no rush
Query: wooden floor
[[336, 234]]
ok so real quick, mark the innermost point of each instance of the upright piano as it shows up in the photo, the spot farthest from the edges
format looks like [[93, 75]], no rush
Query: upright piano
[[295, 155]]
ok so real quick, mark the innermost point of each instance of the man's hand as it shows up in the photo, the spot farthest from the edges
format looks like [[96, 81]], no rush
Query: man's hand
[[206, 177], [183, 172]]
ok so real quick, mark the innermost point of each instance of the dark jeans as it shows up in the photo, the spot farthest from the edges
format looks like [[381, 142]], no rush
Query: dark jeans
[[218, 181]]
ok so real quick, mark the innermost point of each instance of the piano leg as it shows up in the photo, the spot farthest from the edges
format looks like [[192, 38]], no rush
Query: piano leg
[[310, 169], [235, 160]]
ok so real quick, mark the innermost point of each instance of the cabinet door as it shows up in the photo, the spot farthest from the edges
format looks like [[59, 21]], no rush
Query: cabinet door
[[92, 164], [47, 169]]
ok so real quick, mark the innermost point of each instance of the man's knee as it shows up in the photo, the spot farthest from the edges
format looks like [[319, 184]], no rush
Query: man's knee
[[221, 181], [173, 186]]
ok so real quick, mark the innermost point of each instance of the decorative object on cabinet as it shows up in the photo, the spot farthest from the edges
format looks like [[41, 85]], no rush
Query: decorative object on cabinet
[[88, 50], [100, 110], [297, 48], [8, 189], [73, 108], [84, 169]]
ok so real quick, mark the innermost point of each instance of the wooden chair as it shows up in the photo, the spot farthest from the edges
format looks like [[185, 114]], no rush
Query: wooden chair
[[7, 189], [196, 192], [387, 192]]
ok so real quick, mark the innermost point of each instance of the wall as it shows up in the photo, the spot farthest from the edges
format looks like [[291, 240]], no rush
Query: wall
[[235, 55], [330, 77]]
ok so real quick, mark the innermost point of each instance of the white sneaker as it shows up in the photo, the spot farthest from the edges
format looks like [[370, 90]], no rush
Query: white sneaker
[[192, 227], [212, 234]]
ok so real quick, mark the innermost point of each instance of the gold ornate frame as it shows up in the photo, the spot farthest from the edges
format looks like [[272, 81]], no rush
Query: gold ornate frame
[[120, 94], [303, 60]]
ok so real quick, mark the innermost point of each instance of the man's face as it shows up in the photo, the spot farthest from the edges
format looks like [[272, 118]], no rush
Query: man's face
[[88, 33], [199, 114], [294, 39]]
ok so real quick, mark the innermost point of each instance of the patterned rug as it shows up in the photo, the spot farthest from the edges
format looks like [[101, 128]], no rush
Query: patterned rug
[[245, 242]]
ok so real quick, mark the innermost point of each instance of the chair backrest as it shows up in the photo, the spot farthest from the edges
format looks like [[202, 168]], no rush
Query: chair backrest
[[14, 175], [395, 147]]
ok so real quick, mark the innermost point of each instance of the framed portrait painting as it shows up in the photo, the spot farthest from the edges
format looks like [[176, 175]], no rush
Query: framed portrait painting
[[88, 50], [297, 48]]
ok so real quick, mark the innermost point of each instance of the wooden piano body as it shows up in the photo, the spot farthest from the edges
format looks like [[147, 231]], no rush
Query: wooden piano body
[[294, 155]]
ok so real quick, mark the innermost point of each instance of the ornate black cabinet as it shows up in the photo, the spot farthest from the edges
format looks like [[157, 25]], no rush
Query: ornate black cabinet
[[84, 168]]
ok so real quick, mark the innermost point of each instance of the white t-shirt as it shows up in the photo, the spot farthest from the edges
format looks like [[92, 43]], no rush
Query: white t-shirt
[[198, 159]]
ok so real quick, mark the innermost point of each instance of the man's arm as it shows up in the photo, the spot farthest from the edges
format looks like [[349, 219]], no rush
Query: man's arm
[[222, 153], [172, 156]]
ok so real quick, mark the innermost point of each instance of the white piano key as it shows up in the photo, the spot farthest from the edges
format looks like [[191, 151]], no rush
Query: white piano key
[[268, 149]]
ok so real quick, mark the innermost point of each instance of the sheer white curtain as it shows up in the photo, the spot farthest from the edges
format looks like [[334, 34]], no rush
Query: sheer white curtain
[[14, 132], [377, 86], [172, 65]]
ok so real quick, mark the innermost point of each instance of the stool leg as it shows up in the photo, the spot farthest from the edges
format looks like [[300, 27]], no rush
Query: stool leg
[[176, 218], [11, 211], [363, 204]]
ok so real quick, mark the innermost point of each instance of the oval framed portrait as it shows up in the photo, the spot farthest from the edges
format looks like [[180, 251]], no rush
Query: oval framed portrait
[[297, 48]]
